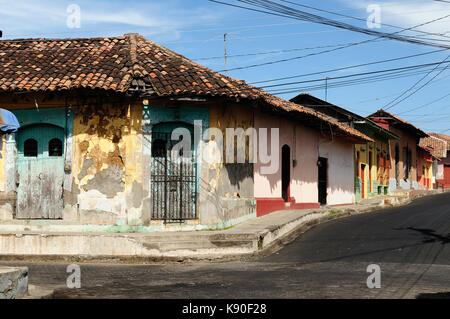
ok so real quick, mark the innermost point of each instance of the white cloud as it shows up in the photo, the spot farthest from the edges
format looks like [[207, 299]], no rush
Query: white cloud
[[406, 14], [48, 18]]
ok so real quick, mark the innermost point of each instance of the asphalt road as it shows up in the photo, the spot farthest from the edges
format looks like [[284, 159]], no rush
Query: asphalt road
[[409, 243]]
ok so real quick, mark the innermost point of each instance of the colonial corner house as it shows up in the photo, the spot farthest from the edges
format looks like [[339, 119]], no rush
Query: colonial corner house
[[94, 147]]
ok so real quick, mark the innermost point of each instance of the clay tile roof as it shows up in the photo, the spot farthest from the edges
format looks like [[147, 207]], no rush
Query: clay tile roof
[[437, 145], [443, 137], [402, 122], [123, 63]]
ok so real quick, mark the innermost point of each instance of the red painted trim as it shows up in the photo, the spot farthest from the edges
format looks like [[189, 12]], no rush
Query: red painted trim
[[266, 206]]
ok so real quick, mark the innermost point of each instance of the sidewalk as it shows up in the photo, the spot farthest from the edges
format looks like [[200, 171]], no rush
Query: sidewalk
[[252, 238]]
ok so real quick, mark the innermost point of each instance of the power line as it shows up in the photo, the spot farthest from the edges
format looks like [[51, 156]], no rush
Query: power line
[[350, 67], [426, 104], [356, 74], [288, 12], [356, 18], [332, 50], [396, 101], [273, 52], [362, 80]]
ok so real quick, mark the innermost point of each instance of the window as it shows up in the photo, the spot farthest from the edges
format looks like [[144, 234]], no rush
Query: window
[[30, 148], [55, 147]]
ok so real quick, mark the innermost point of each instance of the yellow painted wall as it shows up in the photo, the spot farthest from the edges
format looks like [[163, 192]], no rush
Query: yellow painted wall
[[377, 172], [223, 116], [106, 134]]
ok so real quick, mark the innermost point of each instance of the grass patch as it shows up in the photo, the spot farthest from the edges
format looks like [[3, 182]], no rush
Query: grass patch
[[217, 229], [334, 212]]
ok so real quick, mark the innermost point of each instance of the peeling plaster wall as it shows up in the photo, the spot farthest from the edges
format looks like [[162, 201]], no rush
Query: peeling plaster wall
[[230, 186], [107, 171], [103, 150], [406, 140], [225, 191], [7, 199]]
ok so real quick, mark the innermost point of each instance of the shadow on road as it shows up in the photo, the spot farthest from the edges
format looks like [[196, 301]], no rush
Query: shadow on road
[[438, 295], [430, 235]]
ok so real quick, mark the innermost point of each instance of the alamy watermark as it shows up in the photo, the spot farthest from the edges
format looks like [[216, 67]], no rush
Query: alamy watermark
[[374, 279], [74, 278], [214, 149], [374, 18], [73, 16]]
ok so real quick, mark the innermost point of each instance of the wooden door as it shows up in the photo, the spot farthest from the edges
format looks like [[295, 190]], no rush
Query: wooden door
[[285, 172], [323, 180], [40, 165], [363, 181]]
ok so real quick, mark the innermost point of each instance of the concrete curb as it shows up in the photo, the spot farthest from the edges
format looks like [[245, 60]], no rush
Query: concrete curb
[[37, 292], [248, 240], [13, 282]]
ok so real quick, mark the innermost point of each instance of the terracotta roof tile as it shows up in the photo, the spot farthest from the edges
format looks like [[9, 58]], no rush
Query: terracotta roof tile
[[437, 145], [113, 63], [383, 113], [443, 137]]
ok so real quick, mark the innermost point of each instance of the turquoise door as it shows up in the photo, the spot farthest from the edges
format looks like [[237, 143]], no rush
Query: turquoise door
[[40, 165]]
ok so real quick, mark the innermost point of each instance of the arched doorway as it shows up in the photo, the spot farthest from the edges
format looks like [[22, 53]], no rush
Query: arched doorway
[[285, 172], [173, 180], [40, 165]]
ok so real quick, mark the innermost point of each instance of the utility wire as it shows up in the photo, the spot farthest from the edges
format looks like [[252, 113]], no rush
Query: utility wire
[[425, 105], [398, 100], [362, 80], [289, 12], [331, 50], [356, 18], [356, 74], [349, 67]]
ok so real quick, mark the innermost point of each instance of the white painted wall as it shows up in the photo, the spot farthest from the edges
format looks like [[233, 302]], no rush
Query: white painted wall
[[340, 170]]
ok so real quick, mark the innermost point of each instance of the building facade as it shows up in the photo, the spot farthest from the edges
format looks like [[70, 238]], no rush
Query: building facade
[[370, 169], [123, 135], [440, 146], [403, 152]]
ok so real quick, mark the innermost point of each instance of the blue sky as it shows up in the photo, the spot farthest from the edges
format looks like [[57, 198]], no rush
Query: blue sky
[[196, 29]]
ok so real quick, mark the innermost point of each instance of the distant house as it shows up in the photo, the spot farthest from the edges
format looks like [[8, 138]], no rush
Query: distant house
[[403, 152], [440, 147], [371, 159], [96, 150], [425, 161]]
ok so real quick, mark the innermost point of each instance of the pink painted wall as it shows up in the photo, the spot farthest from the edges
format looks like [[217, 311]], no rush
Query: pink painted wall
[[304, 176], [341, 170]]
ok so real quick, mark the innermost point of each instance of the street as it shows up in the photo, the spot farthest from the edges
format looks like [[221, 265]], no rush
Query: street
[[409, 243]]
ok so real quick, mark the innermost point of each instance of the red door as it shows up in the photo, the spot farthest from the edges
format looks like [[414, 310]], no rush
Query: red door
[[447, 175]]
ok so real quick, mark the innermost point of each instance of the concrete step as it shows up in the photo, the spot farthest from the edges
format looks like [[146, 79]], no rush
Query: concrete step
[[37, 292], [119, 244], [372, 201], [13, 282]]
